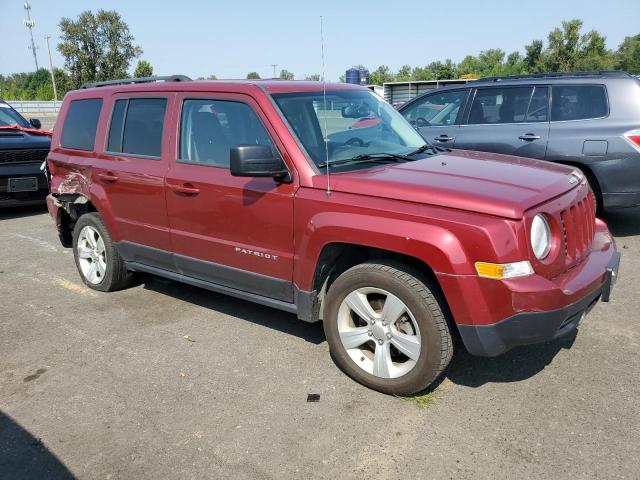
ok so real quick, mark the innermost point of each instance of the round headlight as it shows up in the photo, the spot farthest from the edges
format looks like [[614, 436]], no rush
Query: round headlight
[[540, 237]]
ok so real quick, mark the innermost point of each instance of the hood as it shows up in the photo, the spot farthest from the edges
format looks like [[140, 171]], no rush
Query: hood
[[494, 184], [19, 140]]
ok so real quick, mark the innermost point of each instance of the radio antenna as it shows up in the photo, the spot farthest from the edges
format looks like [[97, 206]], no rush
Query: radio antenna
[[324, 101]]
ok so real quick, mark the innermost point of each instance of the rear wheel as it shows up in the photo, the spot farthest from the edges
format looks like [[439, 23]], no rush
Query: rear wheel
[[386, 329], [97, 260]]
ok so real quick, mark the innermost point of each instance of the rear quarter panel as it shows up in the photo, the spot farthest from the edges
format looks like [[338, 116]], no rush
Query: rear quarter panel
[[616, 165]]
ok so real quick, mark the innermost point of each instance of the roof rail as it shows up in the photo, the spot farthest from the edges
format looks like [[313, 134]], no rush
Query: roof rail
[[128, 81], [601, 73]]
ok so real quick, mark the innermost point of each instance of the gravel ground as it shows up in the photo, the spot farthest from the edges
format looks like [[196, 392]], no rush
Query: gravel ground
[[106, 386]]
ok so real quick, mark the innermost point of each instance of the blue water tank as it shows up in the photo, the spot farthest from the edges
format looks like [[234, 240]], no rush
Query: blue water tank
[[353, 76]]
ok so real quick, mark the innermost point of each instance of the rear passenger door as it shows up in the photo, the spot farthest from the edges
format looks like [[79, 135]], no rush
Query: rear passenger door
[[436, 116], [231, 231], [509, 120], [131, 171]]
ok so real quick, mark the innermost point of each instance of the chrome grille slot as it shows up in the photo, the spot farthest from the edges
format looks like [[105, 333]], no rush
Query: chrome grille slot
[[578, 229]]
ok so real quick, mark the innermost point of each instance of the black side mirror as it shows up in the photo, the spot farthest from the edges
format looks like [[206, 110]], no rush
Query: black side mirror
[[35, 123], [257, 161]]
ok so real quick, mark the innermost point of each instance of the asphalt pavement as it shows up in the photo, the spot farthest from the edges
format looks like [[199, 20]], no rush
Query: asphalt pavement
[[165, 380]]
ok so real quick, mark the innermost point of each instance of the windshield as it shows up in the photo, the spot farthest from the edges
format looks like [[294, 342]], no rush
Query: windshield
[[8, 116], [357, 122]]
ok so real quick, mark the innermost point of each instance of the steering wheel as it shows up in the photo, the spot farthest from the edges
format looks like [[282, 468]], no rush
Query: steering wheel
[[355, 140], [422, 122]]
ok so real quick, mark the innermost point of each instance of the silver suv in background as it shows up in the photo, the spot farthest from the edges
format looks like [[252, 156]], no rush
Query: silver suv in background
[[589, 120]]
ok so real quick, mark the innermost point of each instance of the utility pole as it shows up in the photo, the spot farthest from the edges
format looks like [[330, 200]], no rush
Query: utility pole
[[274, 65], [53, 78], [30, 24]]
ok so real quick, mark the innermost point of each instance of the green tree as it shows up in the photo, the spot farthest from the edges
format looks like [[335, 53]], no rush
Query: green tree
[[143, 69], [286, 75], [381, 75], [97, 46], [533, 61], [421, 73], [404, 74], [628, 55], [491, 62], [593, 53], [564, 46], [469, 65], [315, 77], [253, 76], [514, 64], [443, 70], [33, 85]]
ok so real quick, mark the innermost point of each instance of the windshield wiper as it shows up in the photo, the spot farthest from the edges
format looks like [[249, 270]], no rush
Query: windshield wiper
[[427, 146], [369, 157]]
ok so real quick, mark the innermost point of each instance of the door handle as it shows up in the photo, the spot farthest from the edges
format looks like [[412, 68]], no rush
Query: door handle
[[443, 138], [529, 136], [184, 189], [108, 177]]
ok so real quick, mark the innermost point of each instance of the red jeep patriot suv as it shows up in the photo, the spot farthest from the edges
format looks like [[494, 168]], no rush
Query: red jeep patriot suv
[[323, 201]]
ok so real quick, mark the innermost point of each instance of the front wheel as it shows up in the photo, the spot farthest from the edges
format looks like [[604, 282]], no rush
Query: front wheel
[[386, 329]]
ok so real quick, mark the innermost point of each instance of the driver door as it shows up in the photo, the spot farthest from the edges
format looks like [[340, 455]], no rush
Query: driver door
[[436, 116], [231, 231]]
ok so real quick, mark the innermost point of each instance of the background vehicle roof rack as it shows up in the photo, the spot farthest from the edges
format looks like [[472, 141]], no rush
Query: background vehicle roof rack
[[601, 73], [127, 81]]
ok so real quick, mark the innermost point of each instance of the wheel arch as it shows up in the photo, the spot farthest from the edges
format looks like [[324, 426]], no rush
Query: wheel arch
[[337, 257], [71, 207], [591, 178]]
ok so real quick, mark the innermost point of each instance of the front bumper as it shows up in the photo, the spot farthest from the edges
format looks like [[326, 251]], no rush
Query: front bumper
[[536, 327], [12, 199], [495, 315]]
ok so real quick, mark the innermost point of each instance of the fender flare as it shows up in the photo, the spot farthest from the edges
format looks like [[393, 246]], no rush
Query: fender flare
[[435, 246]]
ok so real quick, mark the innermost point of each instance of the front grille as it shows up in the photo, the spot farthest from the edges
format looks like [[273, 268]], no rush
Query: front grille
[[23, 156], [578, 228]]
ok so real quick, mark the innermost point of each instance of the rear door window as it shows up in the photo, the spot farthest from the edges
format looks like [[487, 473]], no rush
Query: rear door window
[[136, 127], [500, 105], [578, 102], [81, 123]]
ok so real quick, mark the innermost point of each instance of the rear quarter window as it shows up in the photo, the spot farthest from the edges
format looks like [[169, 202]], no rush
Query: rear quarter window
[[80, 124], [578, 102]]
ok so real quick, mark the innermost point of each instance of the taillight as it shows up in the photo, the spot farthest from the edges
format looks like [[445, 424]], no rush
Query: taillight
[[633, 138]]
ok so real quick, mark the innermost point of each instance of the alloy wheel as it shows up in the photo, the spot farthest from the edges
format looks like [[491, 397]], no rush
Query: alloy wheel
[[379, 332], [92, 255]]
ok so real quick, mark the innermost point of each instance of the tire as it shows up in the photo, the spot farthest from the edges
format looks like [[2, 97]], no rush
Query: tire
[[422, 322], [110, 272]]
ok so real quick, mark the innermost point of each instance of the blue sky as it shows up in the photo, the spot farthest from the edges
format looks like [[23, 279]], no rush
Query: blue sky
[[229, 39]]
